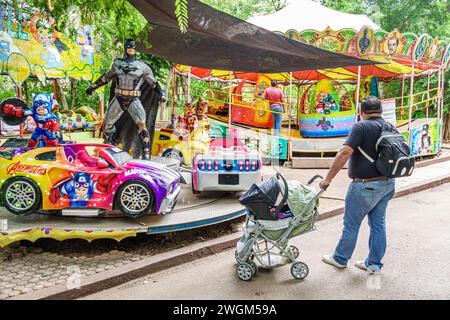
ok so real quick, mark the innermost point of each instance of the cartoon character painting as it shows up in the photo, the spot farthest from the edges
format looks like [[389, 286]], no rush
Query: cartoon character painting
[[346, 103], [52, 58], [325, 103], [6, 46], [80, 188], [426, 138], [47, 126], [325, 124]]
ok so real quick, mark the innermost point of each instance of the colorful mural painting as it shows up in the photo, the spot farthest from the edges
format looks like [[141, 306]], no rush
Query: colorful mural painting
[[425, 138], [327, 110], [31, 45]]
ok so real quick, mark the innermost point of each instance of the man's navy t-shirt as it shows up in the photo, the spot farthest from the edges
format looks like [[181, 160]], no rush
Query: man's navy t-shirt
[[364, 134]]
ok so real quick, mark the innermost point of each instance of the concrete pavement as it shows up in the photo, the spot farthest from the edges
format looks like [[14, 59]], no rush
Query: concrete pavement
[[416, 264]]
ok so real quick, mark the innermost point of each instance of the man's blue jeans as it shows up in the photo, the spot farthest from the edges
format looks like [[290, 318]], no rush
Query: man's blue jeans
[[278, 118], [365, 199]]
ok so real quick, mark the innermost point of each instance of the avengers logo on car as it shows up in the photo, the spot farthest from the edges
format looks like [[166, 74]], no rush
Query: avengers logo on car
[[26, 168]]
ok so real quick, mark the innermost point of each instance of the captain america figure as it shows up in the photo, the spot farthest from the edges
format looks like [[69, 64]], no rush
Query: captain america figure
[[128, 74], [47, 126]]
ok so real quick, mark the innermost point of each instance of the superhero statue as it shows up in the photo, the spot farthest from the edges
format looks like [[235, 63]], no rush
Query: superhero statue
[[129, 76], [47, 126]]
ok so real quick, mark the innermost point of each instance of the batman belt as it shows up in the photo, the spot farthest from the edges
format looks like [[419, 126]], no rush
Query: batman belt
[[127, 93]]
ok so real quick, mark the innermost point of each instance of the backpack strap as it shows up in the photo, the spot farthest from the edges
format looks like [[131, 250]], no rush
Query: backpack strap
[[366, 155], [382, 126]]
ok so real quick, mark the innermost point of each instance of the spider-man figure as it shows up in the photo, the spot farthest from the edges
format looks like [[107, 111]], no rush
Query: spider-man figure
[[47, 126]]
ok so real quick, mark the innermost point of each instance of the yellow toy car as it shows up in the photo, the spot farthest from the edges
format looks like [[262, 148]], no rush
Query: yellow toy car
[[182, 145]]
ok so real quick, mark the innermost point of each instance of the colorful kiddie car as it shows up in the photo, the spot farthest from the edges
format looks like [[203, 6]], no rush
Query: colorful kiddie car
[[84, 176], [175, 144], [229, 165]]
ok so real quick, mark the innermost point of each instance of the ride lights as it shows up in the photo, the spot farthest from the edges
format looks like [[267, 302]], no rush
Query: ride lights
[[202, 165], [216, 165], [247, 165], [210, 165], [241, 165]]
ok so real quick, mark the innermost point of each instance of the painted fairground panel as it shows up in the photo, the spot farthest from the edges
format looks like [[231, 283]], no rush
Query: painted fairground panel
[[425, 138], [248, 108], [327, 110], [31, 45], [273, 147]]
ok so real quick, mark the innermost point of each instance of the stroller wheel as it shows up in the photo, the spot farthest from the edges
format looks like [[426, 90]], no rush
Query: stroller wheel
[[254, 267], [239, 259], [244, 271], [236, 256], [299, 270], [295, 251]]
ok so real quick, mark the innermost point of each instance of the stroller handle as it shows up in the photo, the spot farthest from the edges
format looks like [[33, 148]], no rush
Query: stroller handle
[[285, 195], [310, 182]]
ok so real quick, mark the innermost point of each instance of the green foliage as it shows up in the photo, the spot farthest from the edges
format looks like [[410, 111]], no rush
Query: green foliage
[[181, 12], [416, 16], [245, 9]]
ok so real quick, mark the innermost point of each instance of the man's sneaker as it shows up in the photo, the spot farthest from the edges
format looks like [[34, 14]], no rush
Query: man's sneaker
[[371, 269], [330, 260]]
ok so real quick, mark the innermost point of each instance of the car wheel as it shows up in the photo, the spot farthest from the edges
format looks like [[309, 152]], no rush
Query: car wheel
[[135, 199], [21, 196], [173, 154]]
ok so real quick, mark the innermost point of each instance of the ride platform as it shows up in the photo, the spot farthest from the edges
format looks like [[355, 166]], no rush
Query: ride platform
[[191, 212]]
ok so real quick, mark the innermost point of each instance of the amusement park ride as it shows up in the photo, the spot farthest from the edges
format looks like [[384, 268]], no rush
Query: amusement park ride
[[221, 140]]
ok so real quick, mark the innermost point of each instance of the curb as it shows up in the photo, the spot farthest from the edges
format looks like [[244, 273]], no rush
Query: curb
[[117, 276]]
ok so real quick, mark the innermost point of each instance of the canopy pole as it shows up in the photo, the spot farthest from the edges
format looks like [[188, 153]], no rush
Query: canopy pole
[[442, 107], [411, 100], [20, 95], [230, 96], [290, 117], [441, 93], [428, 94], [402, 110], [189, 86], [358, 88], [438, 101], [174, 83]]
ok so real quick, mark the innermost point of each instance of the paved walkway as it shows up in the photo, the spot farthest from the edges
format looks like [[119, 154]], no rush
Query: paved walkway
[[25, 270], [416, 264]]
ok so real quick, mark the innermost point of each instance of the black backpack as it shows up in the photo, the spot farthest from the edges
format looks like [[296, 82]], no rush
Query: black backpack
[[394, 155]]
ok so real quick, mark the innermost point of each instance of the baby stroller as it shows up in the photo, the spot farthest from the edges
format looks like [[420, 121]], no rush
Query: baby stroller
[[269, 227]]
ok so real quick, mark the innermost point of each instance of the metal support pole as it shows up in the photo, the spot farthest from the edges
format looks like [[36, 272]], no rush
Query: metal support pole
[[358, 88], [230, 97], [19, 95], [411, 101], [174, 82], [428, 94], [402, 110], [438, 101], [290, 117], [189, 86]]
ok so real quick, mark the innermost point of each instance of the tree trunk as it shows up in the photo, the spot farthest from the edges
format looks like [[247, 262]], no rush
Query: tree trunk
[[73, 91], [166, 89], [62, 96]]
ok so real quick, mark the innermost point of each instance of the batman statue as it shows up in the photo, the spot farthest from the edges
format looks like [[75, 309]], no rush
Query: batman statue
[[134, 100]]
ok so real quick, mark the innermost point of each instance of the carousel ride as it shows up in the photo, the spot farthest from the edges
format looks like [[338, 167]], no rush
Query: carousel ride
[[323, 104], [219, 138]]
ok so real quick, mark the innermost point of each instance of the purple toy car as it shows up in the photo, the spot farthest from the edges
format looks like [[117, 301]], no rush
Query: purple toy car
[[76, 179]]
